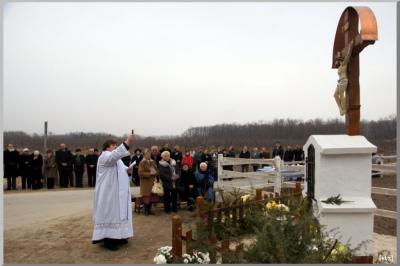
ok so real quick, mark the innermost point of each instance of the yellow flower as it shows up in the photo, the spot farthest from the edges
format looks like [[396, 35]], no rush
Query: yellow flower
[[273, 204], [231, 216]]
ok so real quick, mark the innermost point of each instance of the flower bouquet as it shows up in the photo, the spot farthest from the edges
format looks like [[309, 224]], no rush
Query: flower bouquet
[[164, 255], [197, 258], [276, 208]]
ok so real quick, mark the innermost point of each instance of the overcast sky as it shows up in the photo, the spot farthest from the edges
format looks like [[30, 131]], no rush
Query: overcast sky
[[162, 67]]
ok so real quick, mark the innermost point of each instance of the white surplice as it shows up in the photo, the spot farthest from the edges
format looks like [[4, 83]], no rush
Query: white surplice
[[112, 207]]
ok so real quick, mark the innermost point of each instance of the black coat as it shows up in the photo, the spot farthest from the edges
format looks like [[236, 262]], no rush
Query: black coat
[[79, 163], [64, 156], [166, 176], [288, 156], [177, 156], [298, 155], [37, 166], [135, 170], [244, 154], [207, 158], [11, 161], [277, 152], [187, 178], [91, 159], [25, 164]]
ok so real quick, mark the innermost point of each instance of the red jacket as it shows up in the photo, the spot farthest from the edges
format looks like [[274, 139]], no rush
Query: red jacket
[[187, 159]]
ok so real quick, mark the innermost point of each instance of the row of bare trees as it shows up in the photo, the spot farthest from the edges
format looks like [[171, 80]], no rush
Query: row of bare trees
[[288, 131]]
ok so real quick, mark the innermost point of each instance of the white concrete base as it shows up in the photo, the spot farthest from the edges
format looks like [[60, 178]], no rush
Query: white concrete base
[[352, 228]]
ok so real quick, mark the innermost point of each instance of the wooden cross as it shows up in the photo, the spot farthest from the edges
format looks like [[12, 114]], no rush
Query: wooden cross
[[347, 31]]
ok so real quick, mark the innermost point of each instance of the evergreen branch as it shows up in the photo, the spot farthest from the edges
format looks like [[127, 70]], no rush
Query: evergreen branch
[[335, 200]]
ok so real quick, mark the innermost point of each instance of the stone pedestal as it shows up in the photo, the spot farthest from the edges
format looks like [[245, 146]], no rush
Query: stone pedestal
[[342, 164]]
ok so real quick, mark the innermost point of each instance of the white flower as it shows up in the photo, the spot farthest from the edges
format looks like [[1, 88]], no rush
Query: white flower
[[186, 261], [160, 259]]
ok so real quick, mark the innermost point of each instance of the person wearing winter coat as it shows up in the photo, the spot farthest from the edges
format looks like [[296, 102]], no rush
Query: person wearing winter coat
[[155, 154], [11, 161], [169, 174], [177, 155], [298, 153], [255, 155], [79, 167], [278, 150], [148, 173], [264, 154], [91, 165], [137, 158], [205, 182], [231, 154], [187, 159], [288, 156], [25, 168], [50, 169], [189, 183], [197, 158], [64, 159], [245, 154], [36, 168]]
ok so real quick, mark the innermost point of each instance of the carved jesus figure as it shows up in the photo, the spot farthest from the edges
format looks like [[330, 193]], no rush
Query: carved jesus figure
[[343, 81]]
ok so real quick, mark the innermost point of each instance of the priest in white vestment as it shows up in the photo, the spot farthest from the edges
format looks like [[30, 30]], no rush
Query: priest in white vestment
[[112, 208]]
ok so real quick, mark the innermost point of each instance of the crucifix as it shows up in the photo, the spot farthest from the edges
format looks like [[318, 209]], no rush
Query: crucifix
[[349, 42]]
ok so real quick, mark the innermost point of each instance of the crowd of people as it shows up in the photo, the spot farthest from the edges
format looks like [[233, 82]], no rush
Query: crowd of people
[[54, 169], [184, 174]]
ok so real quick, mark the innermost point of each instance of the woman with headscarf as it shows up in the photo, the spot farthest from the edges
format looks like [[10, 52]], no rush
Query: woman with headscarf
[[148, 172]]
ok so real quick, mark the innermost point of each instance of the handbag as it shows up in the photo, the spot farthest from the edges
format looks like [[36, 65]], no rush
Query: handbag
[[157, 188]]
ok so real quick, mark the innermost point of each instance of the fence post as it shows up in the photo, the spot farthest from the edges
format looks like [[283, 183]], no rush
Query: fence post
[[297, 192], [213, 246], [258, 194], [220, 170], [200, 206], [176, 237], [189, 239]]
